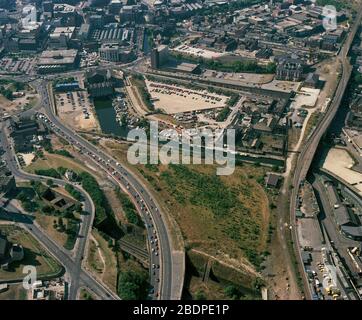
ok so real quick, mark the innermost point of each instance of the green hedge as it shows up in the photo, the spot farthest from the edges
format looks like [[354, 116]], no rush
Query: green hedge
[[48, 172], [90, 184], [129, 209]]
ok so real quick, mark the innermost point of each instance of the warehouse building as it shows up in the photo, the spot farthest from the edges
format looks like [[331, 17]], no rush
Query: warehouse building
[[51, 61]]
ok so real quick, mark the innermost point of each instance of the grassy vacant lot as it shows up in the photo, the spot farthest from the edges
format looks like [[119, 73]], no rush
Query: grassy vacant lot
[[55, 161], [226, 217], [15, 292], [35, 255], [47, 222], [102, 260]]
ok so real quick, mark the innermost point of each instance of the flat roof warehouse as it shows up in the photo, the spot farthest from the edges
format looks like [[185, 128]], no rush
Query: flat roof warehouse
[[58, 57]]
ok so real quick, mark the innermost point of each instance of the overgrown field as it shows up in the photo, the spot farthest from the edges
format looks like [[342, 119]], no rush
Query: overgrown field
[[224, 216]]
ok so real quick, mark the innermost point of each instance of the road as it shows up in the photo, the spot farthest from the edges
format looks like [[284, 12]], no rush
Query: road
[[166, 266], [307, 153], [71, 263], [161, 261], [340, 243]]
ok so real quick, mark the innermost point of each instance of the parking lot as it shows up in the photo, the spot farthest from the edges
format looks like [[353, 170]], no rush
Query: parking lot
[[21, 65], [76, 109], [176, 99], [198, 52]]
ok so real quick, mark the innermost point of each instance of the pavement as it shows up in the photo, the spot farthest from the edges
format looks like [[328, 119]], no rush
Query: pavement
[[340, 243], [307, 153], [167, 269], [72, 261], [169, 264]]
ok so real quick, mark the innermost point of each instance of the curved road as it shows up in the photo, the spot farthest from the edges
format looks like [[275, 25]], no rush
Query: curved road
[[307, 154], [161, 261], [71, 264]]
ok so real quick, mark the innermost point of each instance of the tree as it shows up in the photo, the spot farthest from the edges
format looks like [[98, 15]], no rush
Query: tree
[[258, 283], [116, 247], [50, 183], [61, 224], [47, 209], [22, 196], [68, 214], [133, 285], [200, 295], [29, 206], [358, 78], [232, 292]]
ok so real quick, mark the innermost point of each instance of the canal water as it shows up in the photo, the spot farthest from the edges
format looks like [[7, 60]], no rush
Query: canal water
[[107, 118], [146, 44]]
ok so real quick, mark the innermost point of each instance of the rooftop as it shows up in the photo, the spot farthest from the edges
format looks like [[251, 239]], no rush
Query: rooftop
[[57, 57]]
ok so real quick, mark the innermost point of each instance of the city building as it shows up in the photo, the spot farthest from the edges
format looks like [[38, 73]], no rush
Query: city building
[[66, 15], [130, 13], [48, 290], [159, 56], [48, 9], [7, 181], [115, 7], [60, 38], [25, 133], [58, 61], [16, 252], [100, 83], [115, 53], [96, 21], [289, 69], [312, 80], [9, 252], [272, 180], [84, 31], [68, 86]]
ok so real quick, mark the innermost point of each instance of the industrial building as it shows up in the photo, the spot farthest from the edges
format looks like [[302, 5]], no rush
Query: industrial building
[[100, 83], [345, 220], [58, 61]]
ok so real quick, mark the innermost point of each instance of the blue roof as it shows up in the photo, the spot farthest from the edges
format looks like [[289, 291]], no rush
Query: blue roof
[[69, 84]]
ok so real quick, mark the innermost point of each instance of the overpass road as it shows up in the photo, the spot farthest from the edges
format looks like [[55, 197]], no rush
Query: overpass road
[[71, 261], [165, 278], [310, 147]]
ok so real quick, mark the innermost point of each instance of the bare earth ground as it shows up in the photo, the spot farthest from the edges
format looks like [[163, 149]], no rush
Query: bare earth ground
[[16, 105], [102, 261], [135, 99], [328, 71]]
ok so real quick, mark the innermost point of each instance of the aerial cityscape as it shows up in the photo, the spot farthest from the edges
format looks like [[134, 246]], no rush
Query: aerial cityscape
[[183, 150]]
